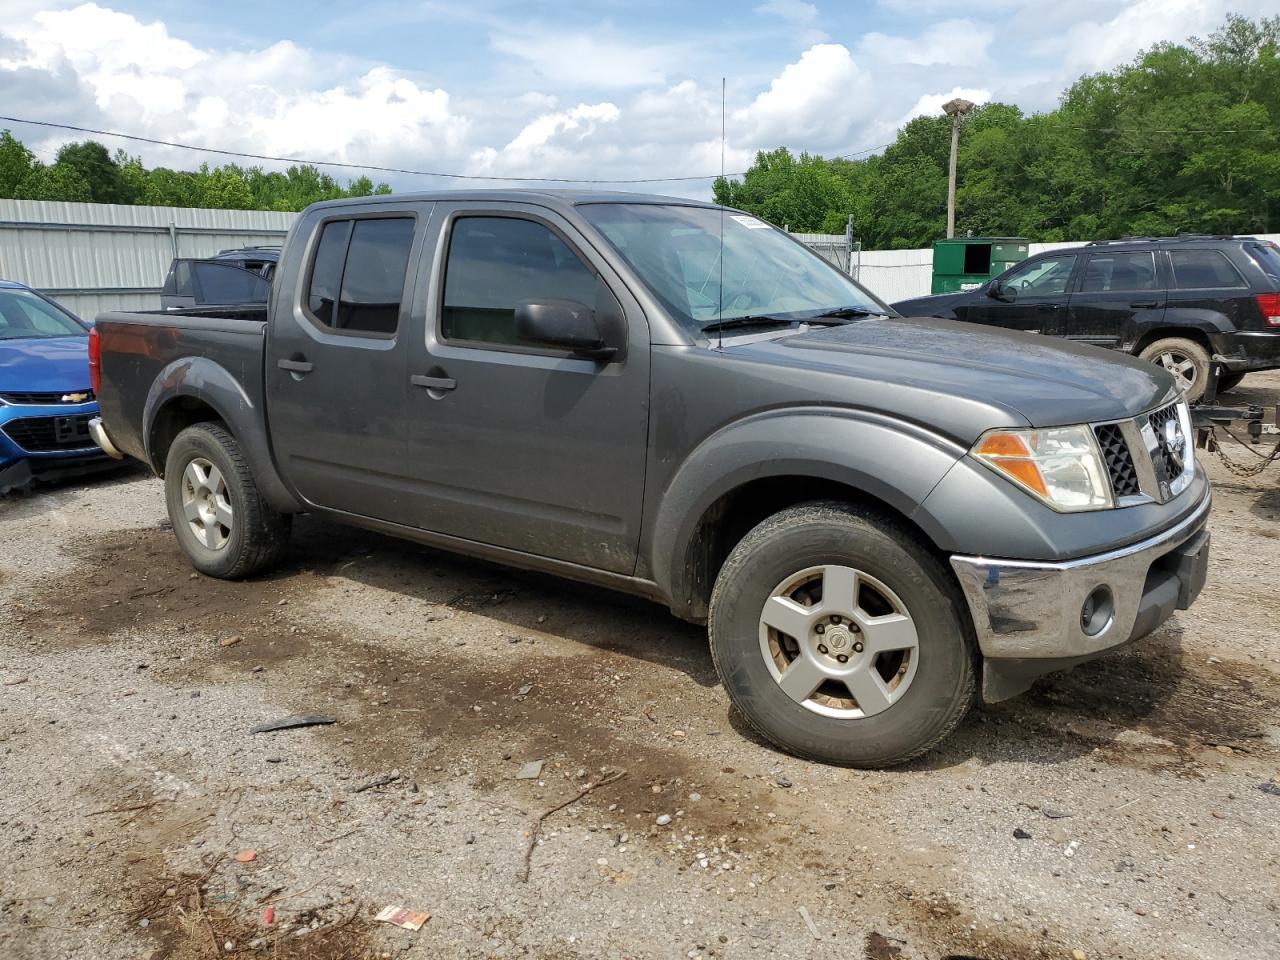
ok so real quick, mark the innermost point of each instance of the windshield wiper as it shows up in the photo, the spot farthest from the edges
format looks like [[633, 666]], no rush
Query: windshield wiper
[[846, 313], [769, 320]]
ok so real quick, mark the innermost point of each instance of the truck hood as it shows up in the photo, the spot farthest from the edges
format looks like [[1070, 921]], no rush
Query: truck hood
[[44, 364], [1042, 381]]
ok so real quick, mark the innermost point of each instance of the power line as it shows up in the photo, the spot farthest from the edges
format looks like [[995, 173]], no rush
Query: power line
[[381, 169]]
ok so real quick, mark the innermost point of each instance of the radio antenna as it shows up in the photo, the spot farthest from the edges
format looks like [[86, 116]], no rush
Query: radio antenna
[[720, 308]]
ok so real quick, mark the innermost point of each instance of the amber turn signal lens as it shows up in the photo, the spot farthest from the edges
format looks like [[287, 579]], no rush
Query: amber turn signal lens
[[1003, 445], [1025, 472]]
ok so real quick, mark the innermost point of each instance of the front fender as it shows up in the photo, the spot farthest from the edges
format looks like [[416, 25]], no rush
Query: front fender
[[893, 461], [207, 381]]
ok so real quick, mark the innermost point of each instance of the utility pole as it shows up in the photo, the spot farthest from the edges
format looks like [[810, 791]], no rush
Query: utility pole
[[955, 109]]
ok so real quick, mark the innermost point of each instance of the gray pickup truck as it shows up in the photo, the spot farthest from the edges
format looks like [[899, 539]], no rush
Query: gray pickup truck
[[876, 517]]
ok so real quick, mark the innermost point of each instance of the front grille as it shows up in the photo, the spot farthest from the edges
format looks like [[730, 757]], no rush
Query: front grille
[[1119, 461], [48, 398], [1162, 456], [50, 434]]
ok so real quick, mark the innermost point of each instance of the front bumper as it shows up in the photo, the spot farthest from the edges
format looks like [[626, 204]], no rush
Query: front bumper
[[1029, 614]]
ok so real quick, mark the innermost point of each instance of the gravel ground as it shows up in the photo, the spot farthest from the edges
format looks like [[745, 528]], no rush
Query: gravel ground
[[1128, 809]]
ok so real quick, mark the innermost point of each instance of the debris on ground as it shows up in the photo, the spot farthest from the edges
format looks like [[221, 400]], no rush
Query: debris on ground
[[382, 781], [1271, 788], [246, 856], [530, 771], [1053, 814], [536, 832], [1020, 834], [293, 723], [14, 682], [230, 641], [403, 917], [808, 921]]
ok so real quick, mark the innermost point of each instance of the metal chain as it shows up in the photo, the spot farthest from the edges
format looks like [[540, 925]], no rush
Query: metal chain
[[1235, 467]]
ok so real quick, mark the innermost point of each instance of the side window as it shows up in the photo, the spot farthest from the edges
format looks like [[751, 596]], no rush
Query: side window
[[358, 274], [1203, 269], [1120, 271], [495, 263], [1046, 277]]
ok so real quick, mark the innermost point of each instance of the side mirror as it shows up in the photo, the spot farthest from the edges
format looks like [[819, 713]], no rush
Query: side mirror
[[562, 324], [999, 291]]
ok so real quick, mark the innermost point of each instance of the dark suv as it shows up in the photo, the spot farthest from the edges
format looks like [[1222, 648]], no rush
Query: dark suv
[[1177, 301], [239, 276]]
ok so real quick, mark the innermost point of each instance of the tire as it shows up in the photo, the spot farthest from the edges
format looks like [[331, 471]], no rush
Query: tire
[[1229, 381], [208, 481], [1187, 360], [933, 684]]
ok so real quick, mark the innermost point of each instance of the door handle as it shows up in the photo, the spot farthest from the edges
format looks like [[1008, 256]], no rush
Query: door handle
[[295, 366], [1047, 307], [1140, 304], [433, 383]]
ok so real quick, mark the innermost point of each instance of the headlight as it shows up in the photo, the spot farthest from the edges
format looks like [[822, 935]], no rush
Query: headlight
[[1060, 465]]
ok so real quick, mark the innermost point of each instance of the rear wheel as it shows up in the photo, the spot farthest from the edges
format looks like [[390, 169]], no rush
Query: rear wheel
[[1187, 360], [218, 515], [840, 638]]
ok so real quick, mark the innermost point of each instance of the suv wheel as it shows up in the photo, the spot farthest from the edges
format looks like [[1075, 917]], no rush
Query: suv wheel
[[220, 519], [840, 638], [1187, 360]]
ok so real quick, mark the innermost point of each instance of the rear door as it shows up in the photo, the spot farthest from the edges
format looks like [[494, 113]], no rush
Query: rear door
[[337, 375], [1116, 291], [1035, 296], [520, 447]]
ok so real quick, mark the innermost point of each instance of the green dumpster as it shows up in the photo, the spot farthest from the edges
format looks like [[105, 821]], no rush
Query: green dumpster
[[964, 263]]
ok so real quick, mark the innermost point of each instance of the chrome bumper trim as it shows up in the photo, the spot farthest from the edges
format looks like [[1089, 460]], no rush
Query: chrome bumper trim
[[99, 434], [1031, 609]]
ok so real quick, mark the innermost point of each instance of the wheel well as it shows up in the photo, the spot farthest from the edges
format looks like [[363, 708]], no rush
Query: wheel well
[[733, 515], [171, 419], [1182, 333]]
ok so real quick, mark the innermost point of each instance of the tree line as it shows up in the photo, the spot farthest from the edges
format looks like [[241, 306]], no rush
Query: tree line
[[1186, 138], [87, 171]]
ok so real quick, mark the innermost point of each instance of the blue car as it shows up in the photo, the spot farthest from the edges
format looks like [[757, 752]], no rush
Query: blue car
[[45, 398]]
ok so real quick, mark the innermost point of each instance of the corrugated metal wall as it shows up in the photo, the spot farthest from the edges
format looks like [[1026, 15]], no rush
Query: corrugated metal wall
[[100, 256]]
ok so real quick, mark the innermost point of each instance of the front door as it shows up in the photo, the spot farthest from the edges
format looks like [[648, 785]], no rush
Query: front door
[[1116, 289], [336, 372], [520, 447], [1032, 297]]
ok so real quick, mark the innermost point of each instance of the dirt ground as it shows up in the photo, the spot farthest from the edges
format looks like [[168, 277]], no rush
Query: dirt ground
[[1144, 789]]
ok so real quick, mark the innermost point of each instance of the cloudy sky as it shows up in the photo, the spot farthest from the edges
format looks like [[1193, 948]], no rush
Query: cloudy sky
[[604, 89]]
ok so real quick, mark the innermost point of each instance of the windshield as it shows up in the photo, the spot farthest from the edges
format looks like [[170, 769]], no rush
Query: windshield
[[676, 252], [24, 315]]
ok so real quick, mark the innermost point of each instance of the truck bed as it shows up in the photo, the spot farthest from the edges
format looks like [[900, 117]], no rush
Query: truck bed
[[138, 347]]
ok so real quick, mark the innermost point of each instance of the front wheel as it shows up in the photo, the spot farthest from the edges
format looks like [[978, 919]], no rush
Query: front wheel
[[221, 521], [841, 638]]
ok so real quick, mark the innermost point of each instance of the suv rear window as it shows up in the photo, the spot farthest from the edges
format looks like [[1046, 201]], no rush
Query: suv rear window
[[358, 273], [1203, 269], [1267, 256]]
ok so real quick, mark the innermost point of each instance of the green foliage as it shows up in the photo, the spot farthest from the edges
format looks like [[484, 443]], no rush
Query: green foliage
[[16, 162], [86, 171], [1186, 138]]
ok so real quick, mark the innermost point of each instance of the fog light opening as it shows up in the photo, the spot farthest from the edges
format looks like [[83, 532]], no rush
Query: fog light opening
[[1097, 612]]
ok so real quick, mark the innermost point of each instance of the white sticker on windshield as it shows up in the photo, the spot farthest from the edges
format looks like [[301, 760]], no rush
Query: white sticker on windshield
[[751, 223]]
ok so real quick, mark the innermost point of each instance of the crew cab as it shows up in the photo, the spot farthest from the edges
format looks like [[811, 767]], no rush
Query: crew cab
[[1182, 302], [874, 516]]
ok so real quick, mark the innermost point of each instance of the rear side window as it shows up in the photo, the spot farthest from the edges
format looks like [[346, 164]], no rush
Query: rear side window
[[1120, 271], [1203, 270], [497, 262], [358, 274], [1267, 256]]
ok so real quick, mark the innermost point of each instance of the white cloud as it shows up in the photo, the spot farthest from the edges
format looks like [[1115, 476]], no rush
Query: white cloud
[[950, 43], [814, 100]]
